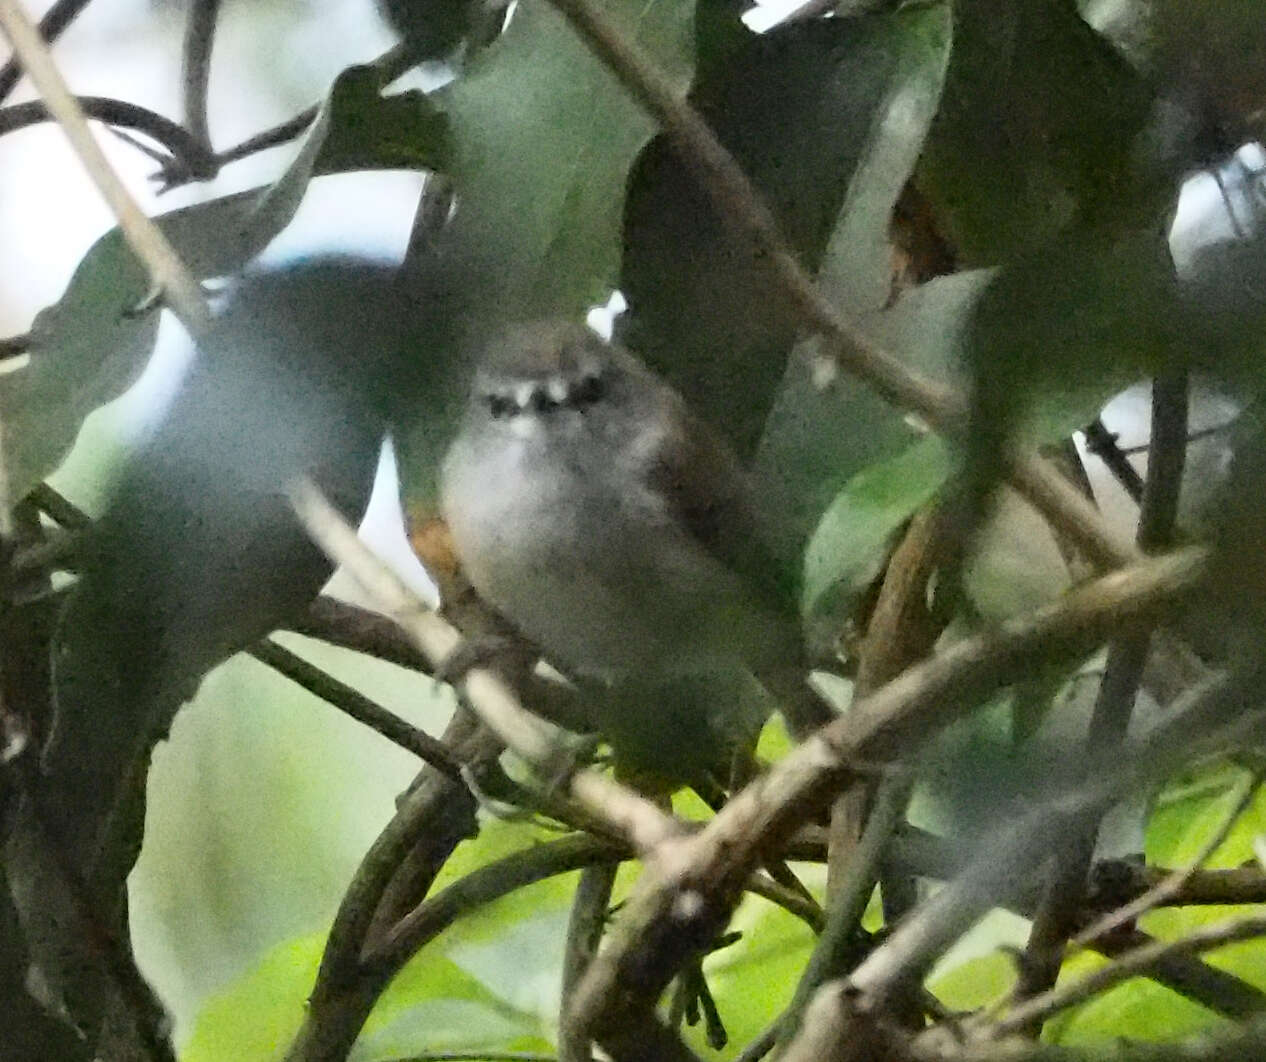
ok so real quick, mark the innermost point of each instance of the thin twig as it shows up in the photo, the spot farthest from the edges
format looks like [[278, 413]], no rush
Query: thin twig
[[1199, 435], [630, 815], [1127, 656], [836, 951], [481, 887], [191, 156], [1170, 888], [1224, 1043], [1132, 964], [390, 65], [705, 872], [585, 925], [431, 819], [741, 207], [196, 67], [146, 239], [1009, 857], [59, 508], [355, 704], [15, 346], [1103, 444], [55, 20]]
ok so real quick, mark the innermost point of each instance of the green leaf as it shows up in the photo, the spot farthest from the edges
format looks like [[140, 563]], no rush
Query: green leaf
[[366, 130], [1190, 809], [752, 981], [1060, 331], [976, 982], [801, 109], [1016, 564], [1036, 131], [856, 270], [431, 1005], [1213, 54], [1136, 1010], [850, 542], [542, 137], [92, 344]]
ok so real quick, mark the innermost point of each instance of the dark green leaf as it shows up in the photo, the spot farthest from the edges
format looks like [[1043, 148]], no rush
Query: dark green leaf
[[799, 108], [542, 139], [91, 346], [1036, 131], [198, 554], [848, 547]]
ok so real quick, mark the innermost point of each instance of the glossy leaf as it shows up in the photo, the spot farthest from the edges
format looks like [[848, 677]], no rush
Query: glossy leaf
[[848, 547]]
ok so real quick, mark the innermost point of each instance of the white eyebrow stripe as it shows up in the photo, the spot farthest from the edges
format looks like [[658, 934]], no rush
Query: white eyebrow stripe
[[558, 389]]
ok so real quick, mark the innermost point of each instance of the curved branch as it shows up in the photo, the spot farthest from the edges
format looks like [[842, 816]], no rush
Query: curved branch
[[196, 67], [55, 21], [191, 155], [1131, 964], [168, 273]]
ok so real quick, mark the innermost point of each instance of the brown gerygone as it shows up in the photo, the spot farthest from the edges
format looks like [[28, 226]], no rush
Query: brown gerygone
[[616, 530]]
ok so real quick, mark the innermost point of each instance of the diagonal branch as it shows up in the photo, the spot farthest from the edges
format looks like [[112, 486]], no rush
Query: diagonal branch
[[56, 19], [740, 206], [1114, 705], [703, 875], [359, 707], [624, 812], [1033, 1012], [168, 272], [843, 1013]]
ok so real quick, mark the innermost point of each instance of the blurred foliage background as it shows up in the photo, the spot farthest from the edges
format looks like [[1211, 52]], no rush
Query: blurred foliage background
[[1046, 205]]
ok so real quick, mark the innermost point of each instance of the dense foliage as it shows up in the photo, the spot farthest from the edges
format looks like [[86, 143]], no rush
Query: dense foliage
[[909, 253]]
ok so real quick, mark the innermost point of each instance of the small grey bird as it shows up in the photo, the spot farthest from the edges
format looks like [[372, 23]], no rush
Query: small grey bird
[[617, 531]]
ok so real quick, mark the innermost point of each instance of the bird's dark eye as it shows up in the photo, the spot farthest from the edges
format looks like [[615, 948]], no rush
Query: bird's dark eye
[[589, 388], [541, 402], [499, 405]]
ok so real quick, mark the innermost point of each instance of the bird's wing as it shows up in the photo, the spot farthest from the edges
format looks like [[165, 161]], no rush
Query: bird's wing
[[709, 495]]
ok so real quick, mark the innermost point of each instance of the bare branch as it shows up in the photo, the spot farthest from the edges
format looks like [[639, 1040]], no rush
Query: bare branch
[[192, 157], [686, 896], [1170, 889], [359, 707], [1139, 961], [1103, 444], [631, 816], [167, 271], [55, 20], [60, 509], [741, 207], [584, 933], [432, 818], [196, 67], [1114, 705]]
